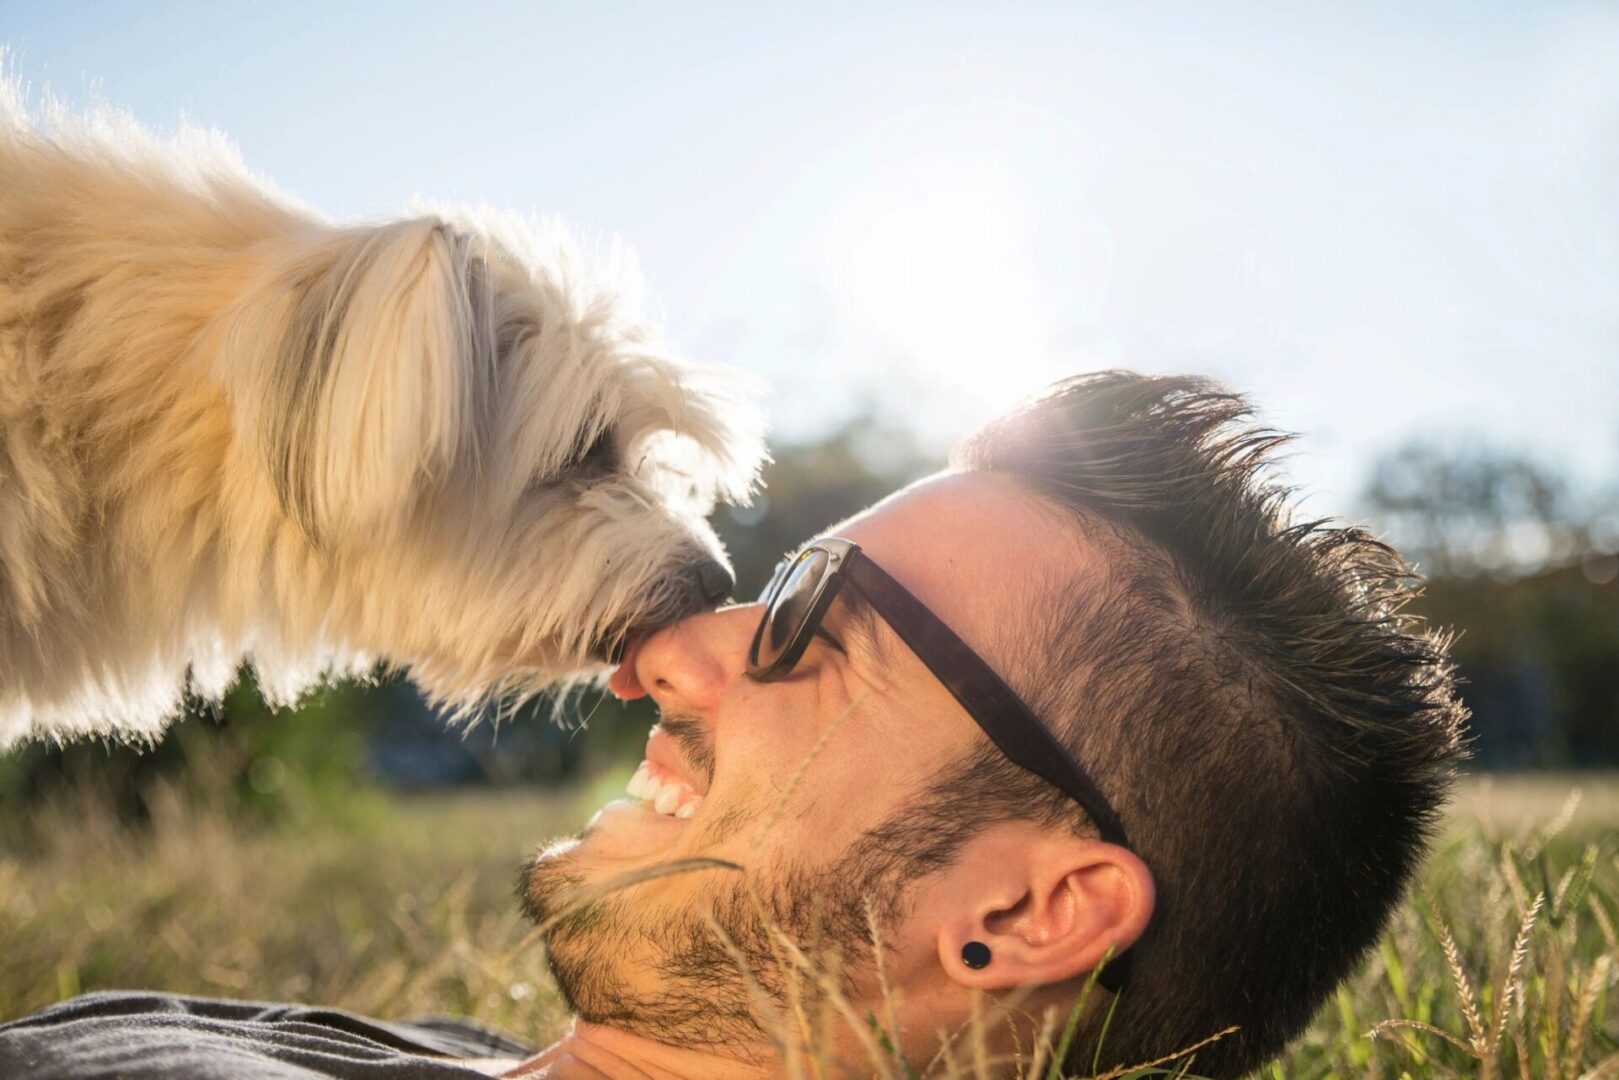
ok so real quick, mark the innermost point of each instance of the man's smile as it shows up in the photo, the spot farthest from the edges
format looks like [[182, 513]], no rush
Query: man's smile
[[664, 795], [673, 755], [629, 830], [663, 791]]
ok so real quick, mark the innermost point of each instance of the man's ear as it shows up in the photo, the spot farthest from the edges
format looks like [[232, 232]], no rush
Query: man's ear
[[1050, 906], [358, 363]]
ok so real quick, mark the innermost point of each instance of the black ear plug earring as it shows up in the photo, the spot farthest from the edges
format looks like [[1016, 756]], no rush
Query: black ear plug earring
[[975, 954]]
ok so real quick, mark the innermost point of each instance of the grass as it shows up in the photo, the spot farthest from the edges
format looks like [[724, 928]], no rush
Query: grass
[[1501, 964], [1502, 961]]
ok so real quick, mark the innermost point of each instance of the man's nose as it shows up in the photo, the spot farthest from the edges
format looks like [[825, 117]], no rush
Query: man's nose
[[690, 664]]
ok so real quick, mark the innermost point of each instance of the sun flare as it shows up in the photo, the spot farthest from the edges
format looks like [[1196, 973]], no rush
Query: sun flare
[[949, 280]]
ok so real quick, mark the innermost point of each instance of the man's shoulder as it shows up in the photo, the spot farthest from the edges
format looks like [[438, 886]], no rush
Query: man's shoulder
[[137, 1034]]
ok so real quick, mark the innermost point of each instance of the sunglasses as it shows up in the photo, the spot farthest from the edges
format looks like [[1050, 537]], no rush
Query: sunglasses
[[798, 598]]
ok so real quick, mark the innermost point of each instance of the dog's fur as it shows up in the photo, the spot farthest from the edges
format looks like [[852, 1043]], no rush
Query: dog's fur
[[231, 429]]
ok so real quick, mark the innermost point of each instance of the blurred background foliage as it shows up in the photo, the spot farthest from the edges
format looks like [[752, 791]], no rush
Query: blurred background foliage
[[1520, 566]]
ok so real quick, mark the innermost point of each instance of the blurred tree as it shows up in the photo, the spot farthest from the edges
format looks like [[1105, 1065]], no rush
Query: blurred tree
[[1467, 508], [811, 486], [1517, 566], [236, 755]]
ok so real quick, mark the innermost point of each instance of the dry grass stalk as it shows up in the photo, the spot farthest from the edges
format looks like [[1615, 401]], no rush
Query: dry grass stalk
[[1383, 1027], [1606, 1069], [1186, 1054], [827, 979], [1600, 911], [1553, 986], [1459, 979], [1541, 837], [890, 996], [1593, 985], [1514, 879], [797, 778], [1511, 985], [1042, 1042]]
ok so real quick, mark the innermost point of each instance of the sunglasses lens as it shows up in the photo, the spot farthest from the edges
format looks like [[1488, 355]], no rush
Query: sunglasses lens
[[790, 605], [777, 575]]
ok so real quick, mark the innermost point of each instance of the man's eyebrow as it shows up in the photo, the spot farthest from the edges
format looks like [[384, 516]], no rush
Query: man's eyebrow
[[862, 629]]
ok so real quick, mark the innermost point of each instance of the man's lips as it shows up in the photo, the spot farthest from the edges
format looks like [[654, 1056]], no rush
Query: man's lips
[[664, 752]]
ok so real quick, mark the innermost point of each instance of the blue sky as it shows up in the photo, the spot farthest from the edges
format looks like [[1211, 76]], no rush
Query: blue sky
[[1377, 220]]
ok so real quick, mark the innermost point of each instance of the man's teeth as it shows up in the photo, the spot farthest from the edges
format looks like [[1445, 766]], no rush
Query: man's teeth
[[667, 796], [641, 785]]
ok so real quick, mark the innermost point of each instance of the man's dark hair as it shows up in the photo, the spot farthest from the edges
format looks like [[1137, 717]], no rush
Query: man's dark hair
[[1276, 734]]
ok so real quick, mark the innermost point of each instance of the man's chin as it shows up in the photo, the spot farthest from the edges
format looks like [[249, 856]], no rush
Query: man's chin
[[621, 838], [570, 883], [654, 963], [547, 881], [597, 950]]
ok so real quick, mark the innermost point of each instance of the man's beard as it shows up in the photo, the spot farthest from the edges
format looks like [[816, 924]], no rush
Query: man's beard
[[706, 994], [712, 978]]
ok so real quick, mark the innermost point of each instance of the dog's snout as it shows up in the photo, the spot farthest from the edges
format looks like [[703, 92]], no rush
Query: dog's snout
[[714, 581]]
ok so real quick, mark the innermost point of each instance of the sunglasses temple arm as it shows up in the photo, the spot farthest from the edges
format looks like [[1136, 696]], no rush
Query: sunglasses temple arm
[[984, 694], [1028, 745]]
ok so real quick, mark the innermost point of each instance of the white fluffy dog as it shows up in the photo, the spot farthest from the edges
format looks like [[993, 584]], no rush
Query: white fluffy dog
[[229, 428]]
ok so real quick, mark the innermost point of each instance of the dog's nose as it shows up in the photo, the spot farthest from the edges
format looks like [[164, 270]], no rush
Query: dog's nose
[[714, 581]]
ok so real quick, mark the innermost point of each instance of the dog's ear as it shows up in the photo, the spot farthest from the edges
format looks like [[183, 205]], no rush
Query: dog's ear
[[357, 364], [696, 433]]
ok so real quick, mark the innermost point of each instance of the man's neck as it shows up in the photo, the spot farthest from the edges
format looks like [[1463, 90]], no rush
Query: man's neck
[[596, 1052]]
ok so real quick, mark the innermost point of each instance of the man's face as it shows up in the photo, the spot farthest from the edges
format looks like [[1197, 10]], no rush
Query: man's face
[[786, 779]]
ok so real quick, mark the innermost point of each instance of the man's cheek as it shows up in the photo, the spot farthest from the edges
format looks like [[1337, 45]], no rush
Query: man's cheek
[[732, 811], [721, 827]]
